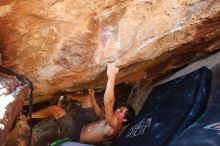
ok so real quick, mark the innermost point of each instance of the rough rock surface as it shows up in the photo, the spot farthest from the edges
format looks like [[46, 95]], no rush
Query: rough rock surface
[[12, 96], [65, 44], [19, 136]]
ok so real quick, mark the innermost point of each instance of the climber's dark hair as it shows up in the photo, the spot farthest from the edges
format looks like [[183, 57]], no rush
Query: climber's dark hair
[[129, 114]]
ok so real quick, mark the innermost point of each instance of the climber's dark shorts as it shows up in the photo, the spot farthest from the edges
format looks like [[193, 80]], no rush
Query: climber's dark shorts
[[71, 126]]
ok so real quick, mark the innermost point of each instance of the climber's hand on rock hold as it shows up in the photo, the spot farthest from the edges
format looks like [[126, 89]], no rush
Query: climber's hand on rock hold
[[112, 70]]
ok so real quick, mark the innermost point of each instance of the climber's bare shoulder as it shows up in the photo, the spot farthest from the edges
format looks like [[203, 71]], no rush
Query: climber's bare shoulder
[[98, 131]]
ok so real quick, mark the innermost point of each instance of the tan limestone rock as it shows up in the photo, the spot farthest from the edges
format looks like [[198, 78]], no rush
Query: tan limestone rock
[[65, 44]]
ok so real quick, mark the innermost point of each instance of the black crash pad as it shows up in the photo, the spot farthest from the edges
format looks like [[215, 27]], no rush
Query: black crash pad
[[205, 131], [170, 108]]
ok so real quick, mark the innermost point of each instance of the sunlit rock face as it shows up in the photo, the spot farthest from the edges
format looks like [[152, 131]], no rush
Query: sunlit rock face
[[65, 44], [12, 95]]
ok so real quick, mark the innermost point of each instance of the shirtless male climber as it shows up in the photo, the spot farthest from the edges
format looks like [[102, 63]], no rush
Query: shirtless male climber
[[85, 127]]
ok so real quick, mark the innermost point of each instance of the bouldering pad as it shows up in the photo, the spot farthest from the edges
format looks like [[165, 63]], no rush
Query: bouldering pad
[[206, 130], [170, 108]]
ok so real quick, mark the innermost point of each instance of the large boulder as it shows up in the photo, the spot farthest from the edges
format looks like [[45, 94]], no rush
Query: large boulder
[[65, 44], [12, 96]]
